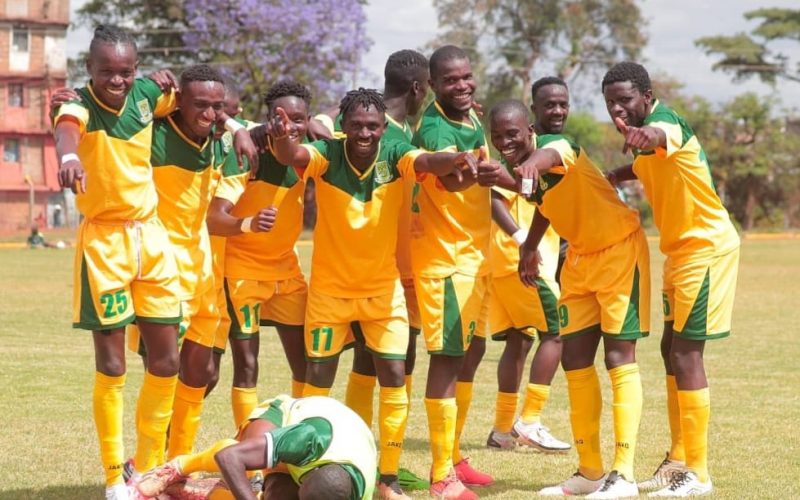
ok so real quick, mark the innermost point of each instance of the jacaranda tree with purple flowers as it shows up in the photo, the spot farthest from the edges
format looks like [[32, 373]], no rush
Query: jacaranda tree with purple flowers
[[259, 42]]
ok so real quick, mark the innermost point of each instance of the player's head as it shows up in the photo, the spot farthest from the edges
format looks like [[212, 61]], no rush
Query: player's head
[[452, 80], [294, 98], [201, 98], [406, 73], [329, 482], [112, 64], [511, 130], [363, 121], [550, 104], [230, 105], [628, 93]]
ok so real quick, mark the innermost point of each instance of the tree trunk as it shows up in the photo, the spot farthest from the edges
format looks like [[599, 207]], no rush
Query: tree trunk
[[750, 208]]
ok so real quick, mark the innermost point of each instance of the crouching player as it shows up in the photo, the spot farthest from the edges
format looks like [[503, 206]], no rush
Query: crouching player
[[310, 447]]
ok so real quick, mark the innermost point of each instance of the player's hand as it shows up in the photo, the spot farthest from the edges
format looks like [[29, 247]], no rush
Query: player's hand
[[528, 267], [245, 148], [611, 177], [61, 96], [488, 170], [641, 138], [527, 178], [165, 80], [478, 107], [260, 137], [264, 220], [280, 126], [466, 162], [71, 175]]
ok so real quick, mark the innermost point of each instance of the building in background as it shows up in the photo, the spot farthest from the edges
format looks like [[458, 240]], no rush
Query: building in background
[[33, 62]]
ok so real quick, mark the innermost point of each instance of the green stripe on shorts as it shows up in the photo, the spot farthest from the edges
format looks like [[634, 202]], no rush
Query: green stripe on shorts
[[696, 325], [452, 331], [549, 306]]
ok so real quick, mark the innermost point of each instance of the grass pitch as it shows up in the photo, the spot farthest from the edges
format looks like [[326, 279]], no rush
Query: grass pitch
[[49, 446]]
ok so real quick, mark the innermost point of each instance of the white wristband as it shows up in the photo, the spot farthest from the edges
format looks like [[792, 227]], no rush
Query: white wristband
[[69, 157], [520, 236], [233, 126], [245, 227], [527, 186]]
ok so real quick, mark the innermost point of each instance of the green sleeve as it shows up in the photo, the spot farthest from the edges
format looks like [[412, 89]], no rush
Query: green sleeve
[[299, 444]]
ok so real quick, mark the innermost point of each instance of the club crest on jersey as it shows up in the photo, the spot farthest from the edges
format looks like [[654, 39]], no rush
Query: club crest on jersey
[[145, 113], [383, 173], [227, 142]]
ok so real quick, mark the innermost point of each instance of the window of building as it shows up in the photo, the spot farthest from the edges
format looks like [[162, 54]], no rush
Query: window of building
[[11, 152], [20, 39], [16, 94]]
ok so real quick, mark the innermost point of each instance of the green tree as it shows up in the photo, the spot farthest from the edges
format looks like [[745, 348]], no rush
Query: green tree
[[747, 55], [514, 37], [159, 26]]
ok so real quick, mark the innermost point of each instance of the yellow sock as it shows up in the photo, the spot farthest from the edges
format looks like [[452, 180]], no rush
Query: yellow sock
[[297, 388], [203, 461], [626, 385], [676, 450], [695, 412], [154, 410], [185, 421], [243, 402], [313, 390], [442, 428], [409, 380], [585, 404], [392, 417], [505, 408], [536, 396], [107, 407], [463, 400], [358, 397]]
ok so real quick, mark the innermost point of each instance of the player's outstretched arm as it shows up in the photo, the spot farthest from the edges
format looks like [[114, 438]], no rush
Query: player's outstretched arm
[[165, 79], [621, 174], [645, 138], [528, 171], [529, 257], [286, 150], [70, 169], [236, 460], [222, 223], [502, 217], [59, 97], [443, 163]]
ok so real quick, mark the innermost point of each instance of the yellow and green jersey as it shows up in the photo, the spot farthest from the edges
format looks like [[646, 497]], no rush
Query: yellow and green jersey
[[114, 149], [355, 238], [451, 230], [186, 176], [504, 254], [677, 180], [314, 431], [267, 256], [580, 203], [402, 132]]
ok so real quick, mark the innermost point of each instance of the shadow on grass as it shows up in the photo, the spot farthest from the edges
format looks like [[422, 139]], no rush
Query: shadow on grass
[[72, 492]]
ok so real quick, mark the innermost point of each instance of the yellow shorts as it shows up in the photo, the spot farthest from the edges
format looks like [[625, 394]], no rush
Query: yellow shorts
[[412, 306], [123, 272], [199, 324], [265, 303], [526, 309], [453, 310], [698, 295], [382, 321], [201, 318], [609, 289], [221, 338]]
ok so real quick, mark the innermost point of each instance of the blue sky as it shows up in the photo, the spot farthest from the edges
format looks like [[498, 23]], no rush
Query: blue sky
[[412, 26]]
